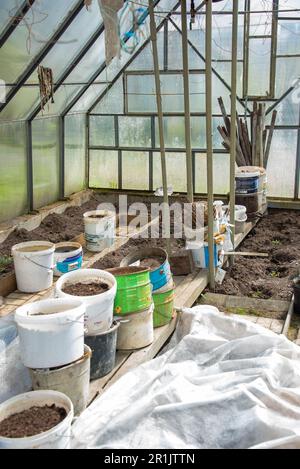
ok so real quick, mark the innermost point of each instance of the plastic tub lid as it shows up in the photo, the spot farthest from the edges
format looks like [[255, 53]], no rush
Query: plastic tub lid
[[241, 175]]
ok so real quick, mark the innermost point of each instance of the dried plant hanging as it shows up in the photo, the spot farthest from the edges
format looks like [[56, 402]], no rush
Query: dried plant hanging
[[46, 81]]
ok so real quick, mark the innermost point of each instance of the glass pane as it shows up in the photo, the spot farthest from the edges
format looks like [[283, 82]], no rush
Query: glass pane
[[113, 101], [13, 174], [135, 170], [288, 37], [88, 98], [176, 170], [287, 73], [144, 60], [8, 9], [45, 151], [135, 132], [283, 155], [41, 21], [102, 131], [221, 173], [259, 67], [75, 154], [104, 169]]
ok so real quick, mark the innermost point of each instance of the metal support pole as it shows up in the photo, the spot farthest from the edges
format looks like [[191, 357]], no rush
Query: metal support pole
[[209, 131], [233, 136], [62, 157], [187, 111], [166, 214], [29, 166]]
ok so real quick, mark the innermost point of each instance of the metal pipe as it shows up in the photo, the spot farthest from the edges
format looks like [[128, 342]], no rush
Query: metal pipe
[[233, 136], [209, 139], [187, 111], [166, 213]]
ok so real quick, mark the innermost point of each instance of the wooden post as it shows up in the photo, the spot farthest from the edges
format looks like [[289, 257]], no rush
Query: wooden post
[[187, 112], [210, 176], [233, 137], [166, 214]]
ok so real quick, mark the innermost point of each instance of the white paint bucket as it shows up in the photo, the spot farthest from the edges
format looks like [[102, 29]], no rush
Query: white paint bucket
[[100, 227], [136, 330], [34, 262], [51, 332], [67, 258], [200, 254], [99, 308], [58, 437], [72, 380]]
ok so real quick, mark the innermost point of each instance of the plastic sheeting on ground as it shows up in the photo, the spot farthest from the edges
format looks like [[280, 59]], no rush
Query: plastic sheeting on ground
[[222, 383], [14, 377]]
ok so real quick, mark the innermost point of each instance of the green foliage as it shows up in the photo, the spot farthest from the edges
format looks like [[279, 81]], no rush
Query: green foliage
[[5, 261]]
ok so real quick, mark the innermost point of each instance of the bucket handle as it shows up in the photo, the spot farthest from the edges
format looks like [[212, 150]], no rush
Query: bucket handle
[[49, 269]]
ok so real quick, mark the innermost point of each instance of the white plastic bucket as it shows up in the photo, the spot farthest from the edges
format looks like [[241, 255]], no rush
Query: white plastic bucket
[[58, 437], [51, 332], [200, 254], [69, 259], [99, 232], [240, 212], [72, 380], [34, 262], [263, 180], [99, 308], [136, 330]]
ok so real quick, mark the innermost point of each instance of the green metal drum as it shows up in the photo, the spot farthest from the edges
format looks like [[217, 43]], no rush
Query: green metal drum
[[134, 292], [163, 308]]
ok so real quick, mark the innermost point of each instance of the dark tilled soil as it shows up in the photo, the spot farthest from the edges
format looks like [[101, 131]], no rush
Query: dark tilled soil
[[54, 228], [32, 422], [152, 262], [278, 234], [114, 259], [86, 289], [118, 272]]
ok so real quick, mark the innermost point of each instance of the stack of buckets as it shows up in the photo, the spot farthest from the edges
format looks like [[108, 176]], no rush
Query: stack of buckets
[[144, 300]]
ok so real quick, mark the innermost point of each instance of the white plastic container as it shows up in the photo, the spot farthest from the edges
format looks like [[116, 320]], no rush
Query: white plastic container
[[34, 263], [200, 254], [58, 437], [99, 308], [99, 232], [263, 180], [67, 258], [73, 380], [136, 330], [51, 332]]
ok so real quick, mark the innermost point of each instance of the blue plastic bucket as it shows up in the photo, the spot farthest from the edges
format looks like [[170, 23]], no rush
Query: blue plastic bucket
[[68, 257], [247, 183]]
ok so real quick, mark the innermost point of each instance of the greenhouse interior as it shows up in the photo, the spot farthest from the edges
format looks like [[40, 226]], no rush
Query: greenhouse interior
[[149, 226]]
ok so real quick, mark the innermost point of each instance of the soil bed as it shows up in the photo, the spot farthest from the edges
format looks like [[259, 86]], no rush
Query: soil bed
[[114, 258], [32, 422], [277, 234], [85, 289]]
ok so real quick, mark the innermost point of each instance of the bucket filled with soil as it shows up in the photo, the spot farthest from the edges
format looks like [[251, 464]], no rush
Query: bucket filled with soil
[[36, 420], [97, 290], [134, 291], [100, 227], [156, 259], [33, 262], [51, 332]]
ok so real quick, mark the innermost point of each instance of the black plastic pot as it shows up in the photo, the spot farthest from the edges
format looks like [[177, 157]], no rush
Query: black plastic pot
[[297, 295], [104, 347]]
